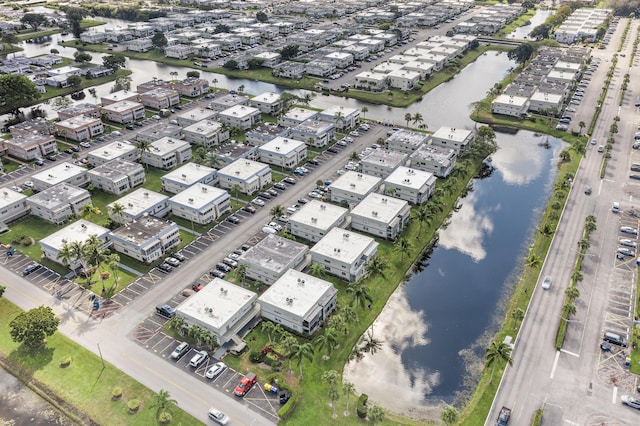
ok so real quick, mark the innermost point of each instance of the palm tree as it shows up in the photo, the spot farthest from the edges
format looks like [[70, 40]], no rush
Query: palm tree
[[267, 327], [572, 292], [301, 351], [546, 230], [589, 227], [77, 251], [577, 276], [87, 210], [241, 89], [214, 82], [348, 388], [364, 110], [417, 118], [407, 118], [422, 216], [497, 352], [143, 146], [113, 260], [404, 246], [359, 296], [241, 272], [354, 156], [287, 342], [581, 125], [162, 401], [533, 261], [376, 414], [584, 244], [117, 211], [277, 211], [517, 315], [177, 324], [449, 415], [333, 396], [317, 270], [370, 344], [375, 267], [570, 309], [66, 255], [327, 342], [278, 331]]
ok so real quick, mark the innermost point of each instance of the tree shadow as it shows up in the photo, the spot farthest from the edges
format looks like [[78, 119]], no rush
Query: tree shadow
[[31, 359]]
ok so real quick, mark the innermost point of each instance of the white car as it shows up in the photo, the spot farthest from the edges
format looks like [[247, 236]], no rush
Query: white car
[[85, 144], [16, 188], [546, 283], [628, 243], [626, 251], [258, 202], [275, 226], [628, 230], [28, 184], [218, 416], [215, 370]]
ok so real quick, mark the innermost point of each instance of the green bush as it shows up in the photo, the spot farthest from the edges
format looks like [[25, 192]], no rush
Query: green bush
[[65, 362], [133, 405], [288, 408], [361, 407], [116, 393], [256, 356], [165, 418], [537, 418]]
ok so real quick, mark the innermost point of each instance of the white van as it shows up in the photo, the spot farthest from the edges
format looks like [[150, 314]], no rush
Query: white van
[[615, 208]]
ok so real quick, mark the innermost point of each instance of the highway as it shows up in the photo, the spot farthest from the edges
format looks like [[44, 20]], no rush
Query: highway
[[581, 385]]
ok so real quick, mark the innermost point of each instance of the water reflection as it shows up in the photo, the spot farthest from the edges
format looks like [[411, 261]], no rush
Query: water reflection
[[516, 168], [537, 19]]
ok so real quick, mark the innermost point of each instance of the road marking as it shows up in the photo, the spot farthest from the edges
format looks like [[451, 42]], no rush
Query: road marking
[[571, 423], [555, 364], [569, 353], [614, 397]]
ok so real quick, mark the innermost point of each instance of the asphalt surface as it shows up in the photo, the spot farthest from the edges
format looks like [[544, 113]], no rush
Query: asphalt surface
[[582, 385], [113, 333]]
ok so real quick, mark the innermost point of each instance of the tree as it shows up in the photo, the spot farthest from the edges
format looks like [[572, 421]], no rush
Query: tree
[[143, 146], [359, 296], [376, 414], [327, 342], [82, 57], [449, 415], [74, 80], [375, 267], [533, 261], [61, 102], [423, 217], [241, 272], [364, 110], [581, 125], [115, 61], [572, 292], [287, 342], [2, 289], [331, 377], [417, 118], [408, 117], [230, 65], [16, 91], [117, 212], [540, 32], [31, 328], [577, 276], [113, 260], [404, 246], [348, 388], [289, 52], [317, 270], [65, 254], [300, 351], [75, 15], [159, 40], [497, 352], [267, 327], [193, 74], [521, 54], [517, 315], [88, 210], [221, 28], [35, 20], [277, 211], [262, 17], [163, 402], [570, 309]]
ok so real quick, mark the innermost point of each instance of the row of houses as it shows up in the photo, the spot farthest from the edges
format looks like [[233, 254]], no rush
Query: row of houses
[[582, 25], [545, 84]]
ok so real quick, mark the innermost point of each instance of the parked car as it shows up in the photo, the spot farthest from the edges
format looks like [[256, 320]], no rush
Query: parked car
[[249, 209], [283, 219], [265, 195], [280, 186], [217, 273], [272, 192], [31, 268], [218, 416], [75, 149], [628, 230], [303, 200], [341, 143], [230, 262], [275, 226], [290, 180], [332, 150], [233, 219], [292, 210], [196, 287], [16, 188], [314, 194], [258, 202], [179, 256], [245, 384], [28, 184], [215, 370], [85, 144], [180, 350], [626, 251], [224, 268], [587, 190], [631, 401], [198, 359], [165, 311], [39, 162], [172, 261], [165, 267], [628, 243], [269, 230], [546, 283]]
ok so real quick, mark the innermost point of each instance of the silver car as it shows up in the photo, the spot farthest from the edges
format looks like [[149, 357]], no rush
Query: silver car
[[628, 243], [215, 370], [631, 401], [628, 230], [626, 251]]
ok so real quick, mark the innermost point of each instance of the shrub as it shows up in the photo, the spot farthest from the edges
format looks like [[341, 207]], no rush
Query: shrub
[[165, 418], [133, 406], [361, 407], [287, 408], [116, 393], [65, 362], [256, 356]]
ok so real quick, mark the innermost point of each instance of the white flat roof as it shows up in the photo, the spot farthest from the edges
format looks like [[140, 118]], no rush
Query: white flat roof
[[139, 200], [410, 178], [240, 111], [345, 112], [243, 169], [120, 96], [386, 158], [282, 146], [166, 145], [274, 253], [204, 127], [453, 134], [77, 231], [217, 303], [78, 121], [300, 114], [189, 173], [355, 182], [380, 207], [347, 246], [199, 195], [9, 196], [318, 214], [122, 106], [59, 173], [57, 195], [296, 292], [198, 114], [267, 98], [509, 99], [546, 97], [113, 150]]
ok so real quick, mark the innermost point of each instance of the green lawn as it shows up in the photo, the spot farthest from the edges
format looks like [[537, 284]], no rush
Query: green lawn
[[10, 165], [85, 384]]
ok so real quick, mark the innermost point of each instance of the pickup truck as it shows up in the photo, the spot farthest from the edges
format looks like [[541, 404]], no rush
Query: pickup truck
[[503, 417]]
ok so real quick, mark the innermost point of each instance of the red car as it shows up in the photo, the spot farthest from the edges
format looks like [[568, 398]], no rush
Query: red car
[[197, 286], [245, 384]]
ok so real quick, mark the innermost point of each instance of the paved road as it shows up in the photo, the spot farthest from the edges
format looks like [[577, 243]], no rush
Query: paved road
[[575, 386], [112, 333]]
